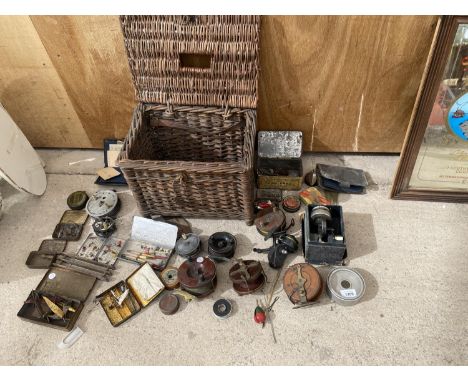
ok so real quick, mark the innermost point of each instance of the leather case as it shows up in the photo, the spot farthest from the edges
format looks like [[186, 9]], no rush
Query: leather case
[[341, 179]]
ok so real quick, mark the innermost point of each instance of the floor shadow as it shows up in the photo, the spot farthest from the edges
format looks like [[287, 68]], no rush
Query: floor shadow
[[372, 184], [372, 286], [360, 234], [244, 246]]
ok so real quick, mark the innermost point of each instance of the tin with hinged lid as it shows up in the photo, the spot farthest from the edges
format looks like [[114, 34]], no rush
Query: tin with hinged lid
[[279, 163]]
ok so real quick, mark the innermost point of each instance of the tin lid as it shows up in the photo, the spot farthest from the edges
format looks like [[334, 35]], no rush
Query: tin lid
[[67, 283], [77, 200], [169, 304], [280, 144], [194, 60]]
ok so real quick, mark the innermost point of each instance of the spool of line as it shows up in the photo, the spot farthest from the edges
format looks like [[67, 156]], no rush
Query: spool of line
[[222, 308]]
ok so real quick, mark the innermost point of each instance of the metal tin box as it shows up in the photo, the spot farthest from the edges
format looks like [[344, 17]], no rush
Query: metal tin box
[[65, 285], [143, 287], [45, 255], [279, 163], [330, 248]]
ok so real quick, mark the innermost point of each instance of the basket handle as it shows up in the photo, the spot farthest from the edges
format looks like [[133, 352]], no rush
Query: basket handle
[[178, 125]]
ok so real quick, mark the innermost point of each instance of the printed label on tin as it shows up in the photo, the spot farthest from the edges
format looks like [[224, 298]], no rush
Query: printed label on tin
[[348, 293]]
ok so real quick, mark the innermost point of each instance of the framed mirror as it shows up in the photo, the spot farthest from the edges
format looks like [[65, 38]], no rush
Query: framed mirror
[[434, 160]]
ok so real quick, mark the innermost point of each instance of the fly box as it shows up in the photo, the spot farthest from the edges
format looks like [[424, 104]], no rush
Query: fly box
[[58, 299], [127, 298], [279, 163], [323, 235], [189, 151], [150, 242]]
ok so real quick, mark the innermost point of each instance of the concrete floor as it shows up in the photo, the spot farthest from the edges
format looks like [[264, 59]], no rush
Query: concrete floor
[[413, 256]]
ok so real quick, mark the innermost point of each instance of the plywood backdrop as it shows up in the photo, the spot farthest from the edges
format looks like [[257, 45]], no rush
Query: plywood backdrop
[[348, 82]]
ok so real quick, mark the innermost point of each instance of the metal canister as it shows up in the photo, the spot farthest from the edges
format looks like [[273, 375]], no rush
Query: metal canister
[[345, 286], [291, 203], [198, 277], [77, 200], [169, 304]]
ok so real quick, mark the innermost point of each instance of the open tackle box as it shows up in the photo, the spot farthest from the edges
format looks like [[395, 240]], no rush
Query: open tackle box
[[58, 299], [128, 297]]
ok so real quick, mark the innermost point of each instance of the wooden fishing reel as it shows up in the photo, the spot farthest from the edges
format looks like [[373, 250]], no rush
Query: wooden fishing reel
[[302, 284], [247, 276]]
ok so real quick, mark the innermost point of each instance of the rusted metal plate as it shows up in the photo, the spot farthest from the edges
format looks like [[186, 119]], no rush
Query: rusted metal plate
[[280, 144]]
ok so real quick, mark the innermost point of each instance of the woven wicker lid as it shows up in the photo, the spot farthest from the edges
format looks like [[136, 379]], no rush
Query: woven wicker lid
[[194, 60]]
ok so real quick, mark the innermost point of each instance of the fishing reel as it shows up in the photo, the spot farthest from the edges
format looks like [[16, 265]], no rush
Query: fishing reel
[[188, 246], [283, 245], [104, 227], [221, 246]]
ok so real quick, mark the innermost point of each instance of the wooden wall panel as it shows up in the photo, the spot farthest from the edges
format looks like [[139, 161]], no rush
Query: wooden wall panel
[[348, 82], [32, 92], [88, 54]]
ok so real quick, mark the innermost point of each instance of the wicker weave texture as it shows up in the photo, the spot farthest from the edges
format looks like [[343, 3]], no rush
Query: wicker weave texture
[[154, 47], [191, 161]]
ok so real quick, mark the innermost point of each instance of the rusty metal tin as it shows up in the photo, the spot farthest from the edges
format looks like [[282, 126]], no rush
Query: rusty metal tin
[[302, 283], [279, 162], [67, 231], [198, 277], [291, 203], [288, 183], [269, 221], [169, 304], [247, 276]]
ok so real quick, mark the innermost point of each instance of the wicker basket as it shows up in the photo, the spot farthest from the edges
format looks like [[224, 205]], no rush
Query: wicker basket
[[194, 60], [196, 160]]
